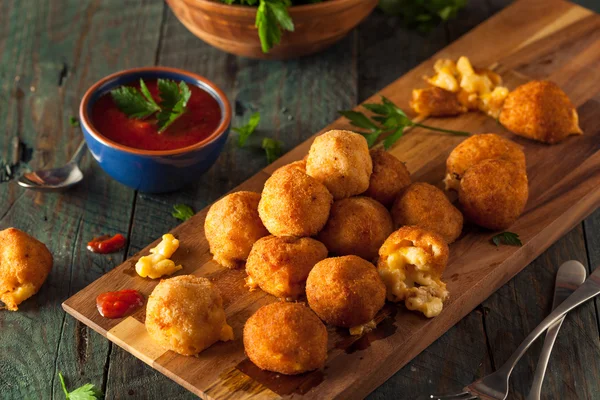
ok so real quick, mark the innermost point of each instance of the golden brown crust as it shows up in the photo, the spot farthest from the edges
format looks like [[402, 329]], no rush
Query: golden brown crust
[[493, 193], [25, 263], [436, 102], [540, 110], [476, 149], [358, 226], [232, 226], [299, 165], [345, 291], [341, 161], [424, 205], [294, 204], [389, 177], [280, 265], [287, 338], [185, 314]]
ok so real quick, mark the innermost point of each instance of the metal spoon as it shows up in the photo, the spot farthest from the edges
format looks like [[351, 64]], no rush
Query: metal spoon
[[56, 179], [569, 277]]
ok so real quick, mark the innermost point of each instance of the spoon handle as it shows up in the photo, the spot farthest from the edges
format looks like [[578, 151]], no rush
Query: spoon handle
[[79, 153]]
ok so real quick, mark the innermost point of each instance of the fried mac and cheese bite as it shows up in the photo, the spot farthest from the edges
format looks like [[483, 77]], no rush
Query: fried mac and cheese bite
[[411, 263], [436, 102], [425, 205], [476, 149], [493, 193], [294, 204], [25, 263], [280, 265], [389, 177], [287, 338], [232, 226], [541, 111], [341, 161], [358, 226], [346, 291], [158, 263], [185, 314]]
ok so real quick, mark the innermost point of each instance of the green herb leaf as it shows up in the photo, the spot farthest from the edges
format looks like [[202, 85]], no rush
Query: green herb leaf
[[272, 148], [245, 131], [174, 99], [271, 17], [147, 94], [359, 120], [389, 141], [132, 103], [509, 238], [85, 392], [182, 212], [74, 121]]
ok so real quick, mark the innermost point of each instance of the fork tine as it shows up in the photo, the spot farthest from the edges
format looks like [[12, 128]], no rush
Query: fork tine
[[456, 396]]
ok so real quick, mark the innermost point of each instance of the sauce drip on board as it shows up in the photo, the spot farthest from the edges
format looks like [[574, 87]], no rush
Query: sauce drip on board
[[106, 244], [119, 304], [201, 119]]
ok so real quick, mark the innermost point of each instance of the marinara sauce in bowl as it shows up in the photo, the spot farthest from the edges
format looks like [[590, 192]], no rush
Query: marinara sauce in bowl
[[135, 152]]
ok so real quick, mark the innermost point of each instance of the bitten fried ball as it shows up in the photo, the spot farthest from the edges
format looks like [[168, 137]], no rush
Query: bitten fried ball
[[424, 205], [358, 226], [280, 265], [294, 204], [476, 149], [232, 226], [345, 291], [25, 264], [541, 111], [436, 102], [411, 263], [493, 193], [341, 161], [287, 338], [389, 177], [185, 314]]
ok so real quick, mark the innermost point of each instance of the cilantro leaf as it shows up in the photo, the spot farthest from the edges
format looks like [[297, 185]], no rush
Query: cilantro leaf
[[182, 212], [174, 99], [359, 120], [74, 121], [245, 131], [132, 103], [272, 148], [509, 238], [147, 94], [271, 17], [85, 392]]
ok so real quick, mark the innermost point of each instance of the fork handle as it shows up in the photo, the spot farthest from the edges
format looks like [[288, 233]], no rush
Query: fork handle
[[540, 370], [589, 289]]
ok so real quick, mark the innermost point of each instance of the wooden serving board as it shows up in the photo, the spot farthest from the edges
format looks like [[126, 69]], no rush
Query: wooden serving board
[[540, 39]]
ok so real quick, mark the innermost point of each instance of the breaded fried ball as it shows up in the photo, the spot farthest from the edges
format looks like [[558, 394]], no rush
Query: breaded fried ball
[[294, 204], [341, 161], [476, 149], [493, 193], [287, 338], [389, 177], [424, 205], [411, 263], [25, 264], [232, 226], [358, 226], [280, 265], [541, 111], [185, 314], [345, 291], [436, 102], [299, 165]]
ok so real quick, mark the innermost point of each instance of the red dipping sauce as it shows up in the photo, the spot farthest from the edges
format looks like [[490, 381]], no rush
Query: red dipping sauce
[[119, 304], [107, 244], [201, 119]]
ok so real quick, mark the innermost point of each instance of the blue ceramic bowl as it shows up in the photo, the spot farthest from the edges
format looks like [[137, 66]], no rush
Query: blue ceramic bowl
[[153, 171]]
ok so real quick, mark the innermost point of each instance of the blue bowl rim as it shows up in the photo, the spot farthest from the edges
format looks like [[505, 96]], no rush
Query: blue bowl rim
[[201, 82]]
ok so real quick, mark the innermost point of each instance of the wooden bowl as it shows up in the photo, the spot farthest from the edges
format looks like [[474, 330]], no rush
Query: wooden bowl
[[231, 28]]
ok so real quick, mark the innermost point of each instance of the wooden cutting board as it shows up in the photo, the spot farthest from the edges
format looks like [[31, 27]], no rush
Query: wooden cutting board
[[543, 39]]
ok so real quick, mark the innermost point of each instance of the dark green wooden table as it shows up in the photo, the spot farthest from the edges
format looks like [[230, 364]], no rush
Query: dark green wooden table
[[51, 52]]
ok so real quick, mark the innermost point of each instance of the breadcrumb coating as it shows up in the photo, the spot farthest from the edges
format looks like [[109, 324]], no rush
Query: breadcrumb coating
[[389, 177]]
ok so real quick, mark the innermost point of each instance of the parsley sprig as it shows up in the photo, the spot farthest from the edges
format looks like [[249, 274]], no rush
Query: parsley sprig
[[139, 103], [182, 212], [509, 238], [272, 148], [85, 392], [245, 131], [388, 118]]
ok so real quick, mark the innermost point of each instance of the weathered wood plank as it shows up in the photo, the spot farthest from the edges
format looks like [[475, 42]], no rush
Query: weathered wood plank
[[50, 54]]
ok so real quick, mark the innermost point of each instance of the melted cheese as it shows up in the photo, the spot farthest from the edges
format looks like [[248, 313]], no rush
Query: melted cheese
[[158, 264], [364, 328]]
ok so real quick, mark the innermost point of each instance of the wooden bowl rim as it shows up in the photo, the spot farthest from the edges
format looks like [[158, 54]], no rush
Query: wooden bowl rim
[[328, 5]]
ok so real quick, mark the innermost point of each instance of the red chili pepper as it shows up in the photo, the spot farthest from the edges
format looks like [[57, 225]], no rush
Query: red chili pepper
[[119, 304], [106, 244]]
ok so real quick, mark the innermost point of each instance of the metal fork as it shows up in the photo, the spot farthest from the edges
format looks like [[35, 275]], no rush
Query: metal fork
[[495, 385]]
